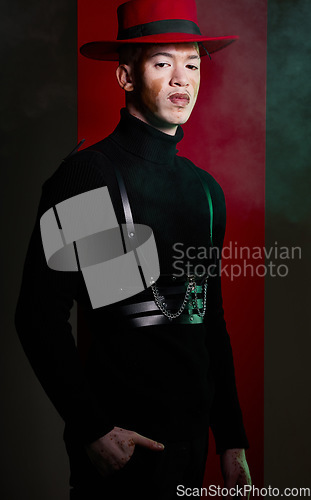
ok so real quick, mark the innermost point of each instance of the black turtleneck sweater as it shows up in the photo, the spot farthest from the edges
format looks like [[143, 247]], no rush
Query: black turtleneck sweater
[[164, 381]]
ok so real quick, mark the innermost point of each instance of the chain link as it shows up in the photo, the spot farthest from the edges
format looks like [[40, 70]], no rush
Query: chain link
[[201, 314], [191, 287]]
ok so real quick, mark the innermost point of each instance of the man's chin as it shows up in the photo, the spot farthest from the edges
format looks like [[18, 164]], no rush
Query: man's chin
[[169, 121], [182, 120], [179, 118]]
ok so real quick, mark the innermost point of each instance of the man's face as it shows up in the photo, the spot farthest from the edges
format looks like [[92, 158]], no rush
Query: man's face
[[166, 84]]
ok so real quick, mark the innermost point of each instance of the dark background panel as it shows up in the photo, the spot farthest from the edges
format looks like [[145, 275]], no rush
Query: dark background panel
[[38, 128], [288, 216]]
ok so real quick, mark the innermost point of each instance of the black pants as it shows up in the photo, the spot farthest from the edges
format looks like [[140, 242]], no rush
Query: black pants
[[148, 475]]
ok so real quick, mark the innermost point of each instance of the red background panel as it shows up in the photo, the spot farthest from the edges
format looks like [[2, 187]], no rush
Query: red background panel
[[225, 136]]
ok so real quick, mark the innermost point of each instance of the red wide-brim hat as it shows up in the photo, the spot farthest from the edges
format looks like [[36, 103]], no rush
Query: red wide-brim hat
[[155, 21]]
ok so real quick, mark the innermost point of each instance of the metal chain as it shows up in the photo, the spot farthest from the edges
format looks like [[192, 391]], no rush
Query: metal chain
[[201, 314], [192, 286]]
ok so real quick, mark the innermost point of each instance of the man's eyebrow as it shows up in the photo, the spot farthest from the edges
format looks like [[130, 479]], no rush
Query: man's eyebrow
[[165, 54], [168, 54]]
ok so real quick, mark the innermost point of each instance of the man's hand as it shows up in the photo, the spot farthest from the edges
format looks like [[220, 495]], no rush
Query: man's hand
[[234, 469], [112, 451]]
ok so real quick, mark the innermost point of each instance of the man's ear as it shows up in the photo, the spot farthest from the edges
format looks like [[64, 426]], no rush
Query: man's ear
[[124, 77]]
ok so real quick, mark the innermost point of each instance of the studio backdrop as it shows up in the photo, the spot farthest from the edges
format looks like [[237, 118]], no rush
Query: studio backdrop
[[226, 137]]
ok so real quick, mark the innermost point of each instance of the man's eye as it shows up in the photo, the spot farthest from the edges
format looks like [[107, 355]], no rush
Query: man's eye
[[192, 67], [161, 65]]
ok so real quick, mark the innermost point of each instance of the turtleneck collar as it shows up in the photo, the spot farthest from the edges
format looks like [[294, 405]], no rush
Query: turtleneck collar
[[145, 141]]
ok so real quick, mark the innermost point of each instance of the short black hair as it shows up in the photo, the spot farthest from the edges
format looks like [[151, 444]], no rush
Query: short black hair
[[130, 52]]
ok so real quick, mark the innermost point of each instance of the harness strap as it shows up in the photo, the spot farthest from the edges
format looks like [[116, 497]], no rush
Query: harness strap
[[124, 197]]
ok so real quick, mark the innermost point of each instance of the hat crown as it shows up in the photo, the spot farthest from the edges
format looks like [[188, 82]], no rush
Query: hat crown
[[140, 12], [155, 21]]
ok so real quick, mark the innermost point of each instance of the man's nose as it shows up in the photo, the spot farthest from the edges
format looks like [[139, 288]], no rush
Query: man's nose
[[179, 78]]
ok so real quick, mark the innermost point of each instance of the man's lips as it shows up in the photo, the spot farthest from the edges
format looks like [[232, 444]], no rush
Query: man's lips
[[179, 99]]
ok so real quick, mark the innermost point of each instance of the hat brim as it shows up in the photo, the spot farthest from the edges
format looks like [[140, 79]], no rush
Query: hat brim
[[108, 50]]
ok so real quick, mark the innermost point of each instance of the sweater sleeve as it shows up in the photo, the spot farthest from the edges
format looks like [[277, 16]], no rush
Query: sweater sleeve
[[226, 418], [43, 311]]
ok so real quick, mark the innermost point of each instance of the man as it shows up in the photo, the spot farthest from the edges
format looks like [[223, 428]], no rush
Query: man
[[159, 367]]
